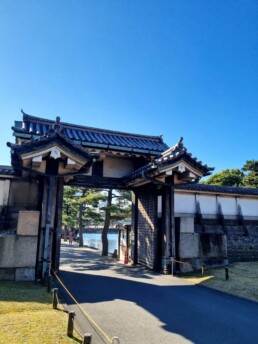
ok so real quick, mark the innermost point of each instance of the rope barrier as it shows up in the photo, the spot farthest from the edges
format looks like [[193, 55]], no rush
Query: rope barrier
[[233, 272], [178, 261], [172, 260], [92, 321], [210, 268]]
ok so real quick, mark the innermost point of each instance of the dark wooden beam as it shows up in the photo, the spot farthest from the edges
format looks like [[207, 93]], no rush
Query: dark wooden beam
[[98, 182]]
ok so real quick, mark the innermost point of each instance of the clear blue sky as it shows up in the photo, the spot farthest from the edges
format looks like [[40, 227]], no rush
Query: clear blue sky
[[178, 67]]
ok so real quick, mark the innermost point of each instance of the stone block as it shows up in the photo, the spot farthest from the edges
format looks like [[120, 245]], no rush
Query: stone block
[[28, 223], [213, 245], [7, 250], [189, 245], [25, 274], [23, 193], [253, 231], [187, 224], [17, 251], [26, 251], [7, 274]]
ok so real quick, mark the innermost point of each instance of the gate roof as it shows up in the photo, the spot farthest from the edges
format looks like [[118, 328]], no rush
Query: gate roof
[[33, 127], [159, 161]]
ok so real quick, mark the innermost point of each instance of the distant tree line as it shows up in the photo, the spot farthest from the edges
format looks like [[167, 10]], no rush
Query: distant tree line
[[247, 176]]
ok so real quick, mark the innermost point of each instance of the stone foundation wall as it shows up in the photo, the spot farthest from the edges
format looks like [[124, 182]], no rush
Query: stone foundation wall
[[242, 243], [18, 251], [197, 249], [242, 239], [234, 242], [17, 257]]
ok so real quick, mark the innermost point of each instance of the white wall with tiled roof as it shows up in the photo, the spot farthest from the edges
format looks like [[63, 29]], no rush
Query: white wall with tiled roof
[[186, 205]]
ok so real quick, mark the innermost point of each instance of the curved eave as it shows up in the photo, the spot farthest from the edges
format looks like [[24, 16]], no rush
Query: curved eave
[[204, 170], [162, 165], [107, 147], [45, 141]]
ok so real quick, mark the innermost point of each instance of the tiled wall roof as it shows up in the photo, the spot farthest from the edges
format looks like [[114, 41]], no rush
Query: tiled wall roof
[[6, 170], [217, 189]]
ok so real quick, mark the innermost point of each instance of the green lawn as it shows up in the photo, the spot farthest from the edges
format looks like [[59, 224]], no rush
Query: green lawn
[[27, 316], [243, 279]]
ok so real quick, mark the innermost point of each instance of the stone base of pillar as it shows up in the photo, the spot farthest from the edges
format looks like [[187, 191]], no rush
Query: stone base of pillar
[[166, 266]]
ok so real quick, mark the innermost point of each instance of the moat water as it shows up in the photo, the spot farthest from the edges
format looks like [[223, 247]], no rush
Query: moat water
[[93, 239]]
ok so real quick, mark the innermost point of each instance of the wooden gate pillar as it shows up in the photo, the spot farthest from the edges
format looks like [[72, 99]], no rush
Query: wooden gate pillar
[[58, 226], [135, 212], [166, 219], [49, 225], [168, 226]]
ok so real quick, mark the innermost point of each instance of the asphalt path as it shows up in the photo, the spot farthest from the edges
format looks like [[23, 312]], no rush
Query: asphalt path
[[142, 307]]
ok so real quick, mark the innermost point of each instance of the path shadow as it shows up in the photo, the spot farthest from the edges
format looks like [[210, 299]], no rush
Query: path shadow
[[95, 262], [197, 314]]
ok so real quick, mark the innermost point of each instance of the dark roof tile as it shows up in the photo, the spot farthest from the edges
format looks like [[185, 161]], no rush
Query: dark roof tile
[[6, 170], [217, 189], [36, 126]]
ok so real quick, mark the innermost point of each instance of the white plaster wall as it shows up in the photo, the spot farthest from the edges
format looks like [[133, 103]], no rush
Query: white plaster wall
[[208, 204], [228, 205], [117, 167], [4, 191], [185, 203], [249, 206]]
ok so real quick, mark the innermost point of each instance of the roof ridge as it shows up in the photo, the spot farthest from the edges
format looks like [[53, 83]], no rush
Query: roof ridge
[[99, 130]]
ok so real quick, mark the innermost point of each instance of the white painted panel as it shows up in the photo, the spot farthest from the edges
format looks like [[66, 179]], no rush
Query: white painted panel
[[185, 203], [4, 191], [228, 205], [208, 204], [2, 182], [159, 206], [249, 206], [117, 167]]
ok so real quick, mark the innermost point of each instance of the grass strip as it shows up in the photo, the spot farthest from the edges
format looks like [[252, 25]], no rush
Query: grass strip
[[27, 316], [242, 282]]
